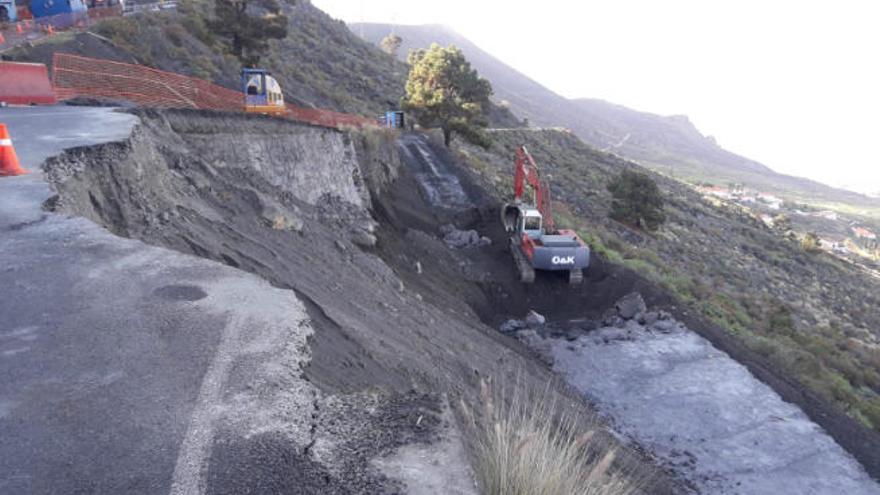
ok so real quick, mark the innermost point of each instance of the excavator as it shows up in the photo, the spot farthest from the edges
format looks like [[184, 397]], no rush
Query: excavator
[[535, 242]]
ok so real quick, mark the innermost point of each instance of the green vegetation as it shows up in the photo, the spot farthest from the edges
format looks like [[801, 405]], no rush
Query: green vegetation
[[528, 444], [246, 26], [810, 242], [811, 315], [318, 63], [636, 200], [444, 91]]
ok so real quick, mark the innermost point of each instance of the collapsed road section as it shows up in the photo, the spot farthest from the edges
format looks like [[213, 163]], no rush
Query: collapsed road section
[[337, 375], [341, 398]]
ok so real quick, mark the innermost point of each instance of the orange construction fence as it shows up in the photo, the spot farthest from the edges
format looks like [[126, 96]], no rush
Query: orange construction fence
[[76, 76]]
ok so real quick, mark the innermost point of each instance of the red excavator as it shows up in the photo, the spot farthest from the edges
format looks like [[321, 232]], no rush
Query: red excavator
[[535, 243]]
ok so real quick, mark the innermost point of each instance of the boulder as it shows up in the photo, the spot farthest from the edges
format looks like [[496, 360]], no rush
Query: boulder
[[512, 325], [630, 305], [648, 318], [535, 319], [459, 239], [363, 238]]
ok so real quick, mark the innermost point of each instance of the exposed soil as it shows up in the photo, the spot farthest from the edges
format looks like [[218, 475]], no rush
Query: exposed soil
[[501, 296], [390, 320]]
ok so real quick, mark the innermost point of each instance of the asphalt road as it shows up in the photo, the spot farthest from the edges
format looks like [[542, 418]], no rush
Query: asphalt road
[[113, 353]]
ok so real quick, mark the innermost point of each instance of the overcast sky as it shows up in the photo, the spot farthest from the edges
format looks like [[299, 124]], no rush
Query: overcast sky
[[792, 84]]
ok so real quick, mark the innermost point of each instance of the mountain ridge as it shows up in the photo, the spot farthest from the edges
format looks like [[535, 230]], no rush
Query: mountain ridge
[[669, 144]]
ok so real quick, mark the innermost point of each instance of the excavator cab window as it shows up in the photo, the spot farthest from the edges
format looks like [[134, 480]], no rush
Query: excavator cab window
[[532, 223]]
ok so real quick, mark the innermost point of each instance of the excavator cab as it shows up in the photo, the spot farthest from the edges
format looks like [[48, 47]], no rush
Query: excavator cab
[[532, 223], [521, 219], [262, 93]]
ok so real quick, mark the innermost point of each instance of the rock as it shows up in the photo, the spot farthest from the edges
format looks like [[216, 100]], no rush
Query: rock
[[608, 335], [281, 218], [663, 315], [664, 326], [340, 246], [535, 319], [512, 325], [630, 305], [649, 318], [459, 239], [609, 317], [363, 238], [528, 336]]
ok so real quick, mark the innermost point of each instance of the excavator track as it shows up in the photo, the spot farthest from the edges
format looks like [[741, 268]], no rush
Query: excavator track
[[526, 271], [576, 276]]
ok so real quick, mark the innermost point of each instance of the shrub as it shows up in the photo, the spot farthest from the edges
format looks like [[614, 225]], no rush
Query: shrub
[[810, 242], [527, 445], [636, 200]]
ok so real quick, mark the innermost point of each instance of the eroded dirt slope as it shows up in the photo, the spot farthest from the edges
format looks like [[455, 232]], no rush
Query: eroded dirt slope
[[395, 329]]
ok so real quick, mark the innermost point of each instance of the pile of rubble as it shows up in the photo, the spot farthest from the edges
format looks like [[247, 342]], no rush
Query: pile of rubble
[[612, 326], [460, 239]]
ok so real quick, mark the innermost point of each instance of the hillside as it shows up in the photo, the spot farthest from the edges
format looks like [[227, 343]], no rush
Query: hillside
[[811, 315], [669, 144], [320, 63]]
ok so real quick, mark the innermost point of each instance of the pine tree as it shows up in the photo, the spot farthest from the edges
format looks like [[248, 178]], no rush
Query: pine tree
[[246, 26], [444, 91]]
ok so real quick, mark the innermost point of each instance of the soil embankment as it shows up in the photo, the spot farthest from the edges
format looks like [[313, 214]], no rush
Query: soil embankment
[[395, 333]]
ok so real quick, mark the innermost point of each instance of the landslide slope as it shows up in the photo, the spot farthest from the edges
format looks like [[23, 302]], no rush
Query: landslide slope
[[809, 316], [396, 336]]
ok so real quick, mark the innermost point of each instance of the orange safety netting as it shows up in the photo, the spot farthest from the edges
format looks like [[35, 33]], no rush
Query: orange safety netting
[[76, 76]]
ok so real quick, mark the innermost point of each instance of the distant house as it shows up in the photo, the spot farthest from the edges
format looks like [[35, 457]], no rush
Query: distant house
[[864, 233], [773, 202], [717, 191]]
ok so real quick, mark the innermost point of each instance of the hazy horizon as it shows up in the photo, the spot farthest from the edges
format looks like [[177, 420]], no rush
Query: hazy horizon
[[793, 85]]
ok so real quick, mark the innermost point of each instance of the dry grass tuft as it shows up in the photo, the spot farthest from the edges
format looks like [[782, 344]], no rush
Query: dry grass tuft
[[527, 444]]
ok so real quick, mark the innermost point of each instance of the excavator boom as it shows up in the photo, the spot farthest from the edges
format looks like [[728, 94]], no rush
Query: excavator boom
[[527, 174]]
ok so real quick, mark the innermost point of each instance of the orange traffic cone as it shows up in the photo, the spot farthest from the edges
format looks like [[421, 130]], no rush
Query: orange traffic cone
[[50, 30], [18, 28], [2, 39], [8, 159]]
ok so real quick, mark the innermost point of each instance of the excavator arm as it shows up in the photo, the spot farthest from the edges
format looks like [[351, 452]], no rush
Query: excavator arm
[[527, 174]]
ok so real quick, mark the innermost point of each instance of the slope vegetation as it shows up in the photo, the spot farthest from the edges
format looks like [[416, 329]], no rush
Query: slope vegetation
[[813, 317], [320, 63]]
